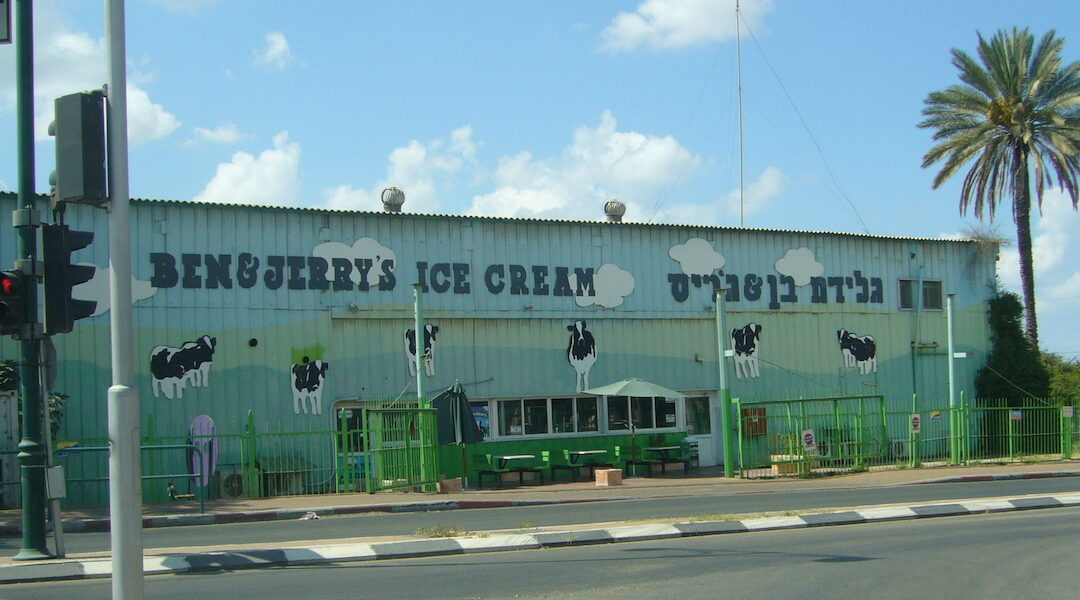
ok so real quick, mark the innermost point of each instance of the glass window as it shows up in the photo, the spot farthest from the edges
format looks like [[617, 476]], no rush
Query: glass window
[[931, 295], [643, 412], [480, 413], [586, 414], [697, 416], [618, 412], [536, 416], [562, 415], [907, 294], [510, 417], [665, 412]]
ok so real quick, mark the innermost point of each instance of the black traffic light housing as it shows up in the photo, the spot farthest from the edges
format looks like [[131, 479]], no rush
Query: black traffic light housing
[[12, 303], [79, 127], [61, 310]]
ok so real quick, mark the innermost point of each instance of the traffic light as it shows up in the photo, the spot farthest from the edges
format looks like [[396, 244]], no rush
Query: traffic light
[[61, 310], [12, 303], [79, 127]]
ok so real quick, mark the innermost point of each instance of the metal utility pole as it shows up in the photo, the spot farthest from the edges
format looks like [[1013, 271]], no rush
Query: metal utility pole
[[125, 485], [26, 220], [418, 336], [723, 399]]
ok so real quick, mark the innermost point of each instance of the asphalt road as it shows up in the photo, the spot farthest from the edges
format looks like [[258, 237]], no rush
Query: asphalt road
[[1003, 555], [381, 524]]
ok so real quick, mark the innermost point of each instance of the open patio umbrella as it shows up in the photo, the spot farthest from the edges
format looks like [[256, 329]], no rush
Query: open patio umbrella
[[634, 388], [455, 422]]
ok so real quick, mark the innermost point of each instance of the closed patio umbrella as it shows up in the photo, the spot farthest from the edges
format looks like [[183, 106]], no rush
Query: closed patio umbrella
[[455, 422]]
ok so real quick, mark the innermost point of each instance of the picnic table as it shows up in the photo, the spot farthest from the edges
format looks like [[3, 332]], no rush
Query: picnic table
[[665, 457], [572, 463], [499, 464]]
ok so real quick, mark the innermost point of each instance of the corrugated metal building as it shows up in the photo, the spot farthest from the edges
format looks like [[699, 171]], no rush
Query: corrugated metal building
[[287, 311]]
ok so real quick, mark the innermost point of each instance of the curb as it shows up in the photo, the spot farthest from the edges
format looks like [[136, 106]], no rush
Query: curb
[[253, 559], [102, 525]]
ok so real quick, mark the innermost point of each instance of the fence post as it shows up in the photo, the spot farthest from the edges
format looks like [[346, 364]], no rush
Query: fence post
[[1066, 432], [251, 475], [1012, 433], [914, 453]]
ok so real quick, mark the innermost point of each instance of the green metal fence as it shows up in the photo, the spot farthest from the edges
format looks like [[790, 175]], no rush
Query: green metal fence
[[820, 436], [401, 448]]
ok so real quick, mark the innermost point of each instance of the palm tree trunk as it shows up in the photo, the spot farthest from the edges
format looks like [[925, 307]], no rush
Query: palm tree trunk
[[1022, 216]]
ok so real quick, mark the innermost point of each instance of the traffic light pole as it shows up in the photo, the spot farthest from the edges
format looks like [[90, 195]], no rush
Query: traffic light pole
[[31, 450], [125, 484]]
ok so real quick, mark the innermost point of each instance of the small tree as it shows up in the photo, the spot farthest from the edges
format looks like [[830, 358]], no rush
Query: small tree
[[1064, 377], [1014, 370]]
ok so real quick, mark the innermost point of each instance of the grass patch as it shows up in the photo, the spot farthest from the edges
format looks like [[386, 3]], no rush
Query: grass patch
[[442, 531]]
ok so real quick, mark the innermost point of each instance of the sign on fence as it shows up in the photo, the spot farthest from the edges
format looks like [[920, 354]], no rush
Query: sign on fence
[[1016, 415], [916, 423], [1067, 412], [809, 443]]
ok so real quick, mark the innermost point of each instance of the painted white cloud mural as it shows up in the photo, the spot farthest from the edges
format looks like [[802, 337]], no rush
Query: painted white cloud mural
[[97, 289], [697, 257], [363, 248], [800, 265], [611, 284]]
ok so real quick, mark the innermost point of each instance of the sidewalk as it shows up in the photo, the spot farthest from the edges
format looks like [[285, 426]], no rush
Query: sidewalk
[[704, 482], [707, 481]]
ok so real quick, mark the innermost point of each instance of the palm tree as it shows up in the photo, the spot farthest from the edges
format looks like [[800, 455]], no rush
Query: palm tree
[[1018, 109]]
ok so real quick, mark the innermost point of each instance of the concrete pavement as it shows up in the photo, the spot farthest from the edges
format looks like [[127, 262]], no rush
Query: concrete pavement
[[703, 482]]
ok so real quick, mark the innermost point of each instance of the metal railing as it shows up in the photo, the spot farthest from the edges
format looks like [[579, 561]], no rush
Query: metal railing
[[820, 436]]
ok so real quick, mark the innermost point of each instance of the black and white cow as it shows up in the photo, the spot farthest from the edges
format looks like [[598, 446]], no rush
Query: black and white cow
[[581, 353], [746, 341], [430, 333], [308, 378], [859, 351], [172, 369]]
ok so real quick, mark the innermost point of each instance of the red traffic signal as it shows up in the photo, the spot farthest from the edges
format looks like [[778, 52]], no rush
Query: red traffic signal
[[12, 303]]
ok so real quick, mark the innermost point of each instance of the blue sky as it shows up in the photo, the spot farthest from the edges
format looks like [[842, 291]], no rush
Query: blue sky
[[547, 109]]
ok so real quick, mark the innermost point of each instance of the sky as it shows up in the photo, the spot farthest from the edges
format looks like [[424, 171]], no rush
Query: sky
[[548, 109]]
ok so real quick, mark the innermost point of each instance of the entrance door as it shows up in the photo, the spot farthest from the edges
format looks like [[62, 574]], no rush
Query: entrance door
[[699, 427]]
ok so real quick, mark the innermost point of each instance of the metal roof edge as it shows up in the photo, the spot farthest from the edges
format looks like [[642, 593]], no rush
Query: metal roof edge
[[379, 213]]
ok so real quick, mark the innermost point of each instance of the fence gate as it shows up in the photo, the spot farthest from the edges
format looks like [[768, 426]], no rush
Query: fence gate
[[400, 444], [820, 435]]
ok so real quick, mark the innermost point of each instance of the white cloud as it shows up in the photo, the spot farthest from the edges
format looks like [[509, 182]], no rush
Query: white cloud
[[69, 60], [673, 24], [97, 289], [800, 265], [224, 134], [363, 248], [697, 257], [275, 53], [269, 179], [610, 285], [601, 163], [417, 169], [758, 196], [146, 120], [1053, 231]]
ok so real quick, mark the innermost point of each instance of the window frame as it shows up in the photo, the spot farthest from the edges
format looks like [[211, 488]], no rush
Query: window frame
[[918, 289]]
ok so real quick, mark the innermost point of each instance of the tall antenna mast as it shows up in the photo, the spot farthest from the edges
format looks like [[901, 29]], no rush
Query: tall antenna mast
[[738, 50]]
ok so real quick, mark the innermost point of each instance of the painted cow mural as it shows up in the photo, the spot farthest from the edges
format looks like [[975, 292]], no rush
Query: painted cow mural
[[746, 341], [308, 378], [430, 333], [581, 353], [173, 369], [859, 352]]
